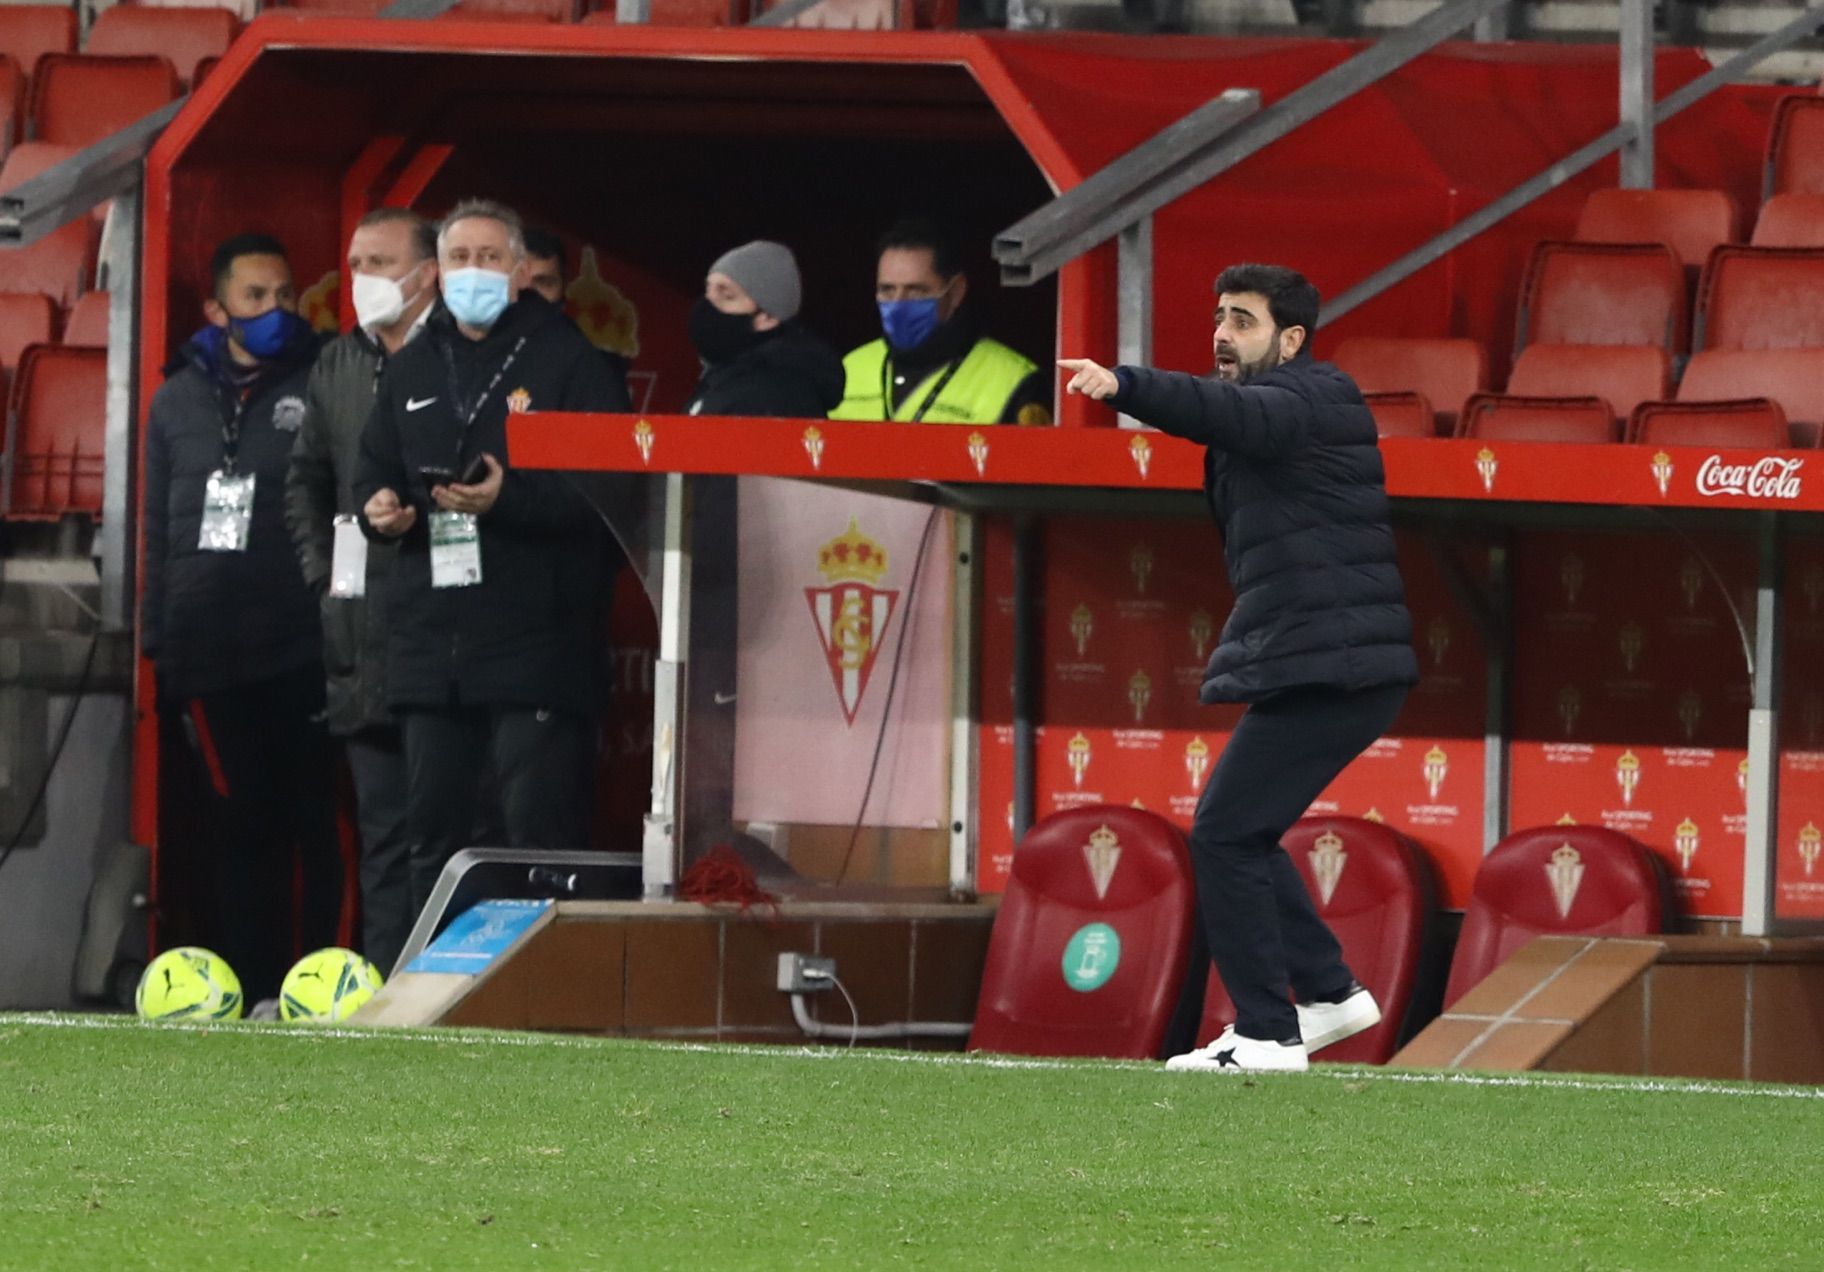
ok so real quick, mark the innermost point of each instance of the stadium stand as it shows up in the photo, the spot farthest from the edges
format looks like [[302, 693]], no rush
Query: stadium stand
[[29, 31], [1761, 298], [185, 37], [12, 103], [1390, 370], [1603, 294], [1795, 146], [87, 326], [1624, 376], [77, 100], [1498, 417], [1790, 220], [1374, 888], [26, 318], [1755, 423], [59, 264], [1556, 880], [1092, 938], [1792, 378], [59, 409], [1690, 222], [1402, 414]]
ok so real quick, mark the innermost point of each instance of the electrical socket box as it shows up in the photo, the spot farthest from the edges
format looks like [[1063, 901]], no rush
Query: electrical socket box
[[792, 969]]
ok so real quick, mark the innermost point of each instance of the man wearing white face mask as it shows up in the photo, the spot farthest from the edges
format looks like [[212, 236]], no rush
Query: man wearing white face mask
[[392, 264], [492, 610]]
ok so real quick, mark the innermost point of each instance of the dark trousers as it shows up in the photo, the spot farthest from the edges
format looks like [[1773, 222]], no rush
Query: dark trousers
[[533, 754], [1264, 933], [376, 761], [269, 774]]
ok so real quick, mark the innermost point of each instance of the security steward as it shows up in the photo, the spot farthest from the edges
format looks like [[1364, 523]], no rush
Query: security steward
[[934, 364], [1319, 645], [493, 607]]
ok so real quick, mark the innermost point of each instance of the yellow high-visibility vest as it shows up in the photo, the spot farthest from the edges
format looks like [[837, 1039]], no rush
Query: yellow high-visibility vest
[[974, 390]]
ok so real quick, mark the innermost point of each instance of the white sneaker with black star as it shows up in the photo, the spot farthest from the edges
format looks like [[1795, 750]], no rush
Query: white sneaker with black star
[[1321, 1024], [1232, 1053]]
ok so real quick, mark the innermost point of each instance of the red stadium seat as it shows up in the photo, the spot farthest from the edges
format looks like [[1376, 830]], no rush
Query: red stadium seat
[[1761, 298], [58, 264], [78, 100], [12, 104], [682, 13], [29, 31], [88, 322], [1792, 377], [1498, 417], [471, 10], [1374, 888], [1446, 372], [1605, 294], [59, 406], [1791, 220], [1556, 880], [1690, 222], [1621, 375], [1402, 414], [26, 318], [1090, 945], [185, 36], [1795, 147], [1753, 423]]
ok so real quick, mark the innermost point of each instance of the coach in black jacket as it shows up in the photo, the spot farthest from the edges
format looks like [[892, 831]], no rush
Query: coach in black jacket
[[1319, 644], [491, 614]]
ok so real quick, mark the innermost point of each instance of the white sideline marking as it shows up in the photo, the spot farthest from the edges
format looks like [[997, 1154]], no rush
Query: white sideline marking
[[936, 1059]]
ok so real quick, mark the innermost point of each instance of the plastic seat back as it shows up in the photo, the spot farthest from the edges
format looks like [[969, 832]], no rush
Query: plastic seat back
[[1091, 941], [29, 31], [1754, 423], [59, 403], [1690, 222], [1792, 377], [1556, 880], [77, 100], [1761, 298], [1795, 146], [87, 325], [12, 104], [1621, 375], [1374, 888], [183, 36], [1499, 417], [1605, 294], [1402, 414], [1790, 220], [59, 264], [26, 318], [1446, 372]]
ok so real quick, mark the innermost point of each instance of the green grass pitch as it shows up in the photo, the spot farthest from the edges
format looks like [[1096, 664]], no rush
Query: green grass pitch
[[126, 1146]]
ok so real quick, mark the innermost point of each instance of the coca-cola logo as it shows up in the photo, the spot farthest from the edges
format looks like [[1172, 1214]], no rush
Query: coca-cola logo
[[1769, 478]]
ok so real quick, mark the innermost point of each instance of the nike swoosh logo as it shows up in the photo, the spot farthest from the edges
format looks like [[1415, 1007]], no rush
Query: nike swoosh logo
[[723, 699], [414, 404]]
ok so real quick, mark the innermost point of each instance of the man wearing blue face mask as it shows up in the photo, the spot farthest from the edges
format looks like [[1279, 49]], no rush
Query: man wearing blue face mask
[[228, 621], [491, 613], [934, 364]]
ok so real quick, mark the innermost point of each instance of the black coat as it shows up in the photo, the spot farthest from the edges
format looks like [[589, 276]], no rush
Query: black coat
[[525, 635], [1294, 479], [790, 375], [220, 620]]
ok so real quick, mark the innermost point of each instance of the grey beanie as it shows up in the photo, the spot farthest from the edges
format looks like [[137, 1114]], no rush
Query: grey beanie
[[766, 271]]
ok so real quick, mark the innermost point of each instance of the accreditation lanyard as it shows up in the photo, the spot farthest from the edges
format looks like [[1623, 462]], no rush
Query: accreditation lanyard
[[937, 390], [227, 521], [470, 413]]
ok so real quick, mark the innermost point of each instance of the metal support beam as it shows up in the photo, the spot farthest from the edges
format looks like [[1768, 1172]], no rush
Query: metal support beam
[[72, 188], [1204, 144], [1134, 300], [114, 542], [966, 552], [417, 8], [782, 15], [664, 830], [1025, 660], [1637, 92], [1758, 863], [1497, 728], [632, 12]]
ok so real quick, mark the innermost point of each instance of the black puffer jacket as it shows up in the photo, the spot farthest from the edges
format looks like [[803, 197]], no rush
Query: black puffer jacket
[[526, 635], [1294, 479], [789, 375], [218, 620]]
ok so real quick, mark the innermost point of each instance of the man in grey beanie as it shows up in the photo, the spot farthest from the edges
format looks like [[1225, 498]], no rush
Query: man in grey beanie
[[757, 358]]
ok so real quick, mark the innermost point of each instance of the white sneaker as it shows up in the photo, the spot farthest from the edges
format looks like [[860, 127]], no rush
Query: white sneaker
[[1321, 1024], [1232, 1053]]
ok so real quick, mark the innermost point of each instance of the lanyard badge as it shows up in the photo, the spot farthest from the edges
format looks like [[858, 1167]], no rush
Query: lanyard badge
[[227, 512], [455, 549]]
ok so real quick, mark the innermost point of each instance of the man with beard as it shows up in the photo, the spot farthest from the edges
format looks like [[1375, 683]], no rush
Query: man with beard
[[934, 364], [1319, 645]]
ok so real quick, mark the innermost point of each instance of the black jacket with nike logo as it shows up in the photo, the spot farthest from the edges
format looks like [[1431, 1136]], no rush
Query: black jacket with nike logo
[[526, 635]]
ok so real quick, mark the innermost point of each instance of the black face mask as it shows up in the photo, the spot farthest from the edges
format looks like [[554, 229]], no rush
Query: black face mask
[[721, 337]]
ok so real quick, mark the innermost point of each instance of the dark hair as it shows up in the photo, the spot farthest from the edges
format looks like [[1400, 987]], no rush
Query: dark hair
[[424, 233], [230, 250], [915, 232], [547, 246], [1291, 299]]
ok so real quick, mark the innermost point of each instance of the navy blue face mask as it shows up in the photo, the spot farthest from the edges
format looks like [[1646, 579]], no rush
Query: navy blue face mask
[[268, 335]]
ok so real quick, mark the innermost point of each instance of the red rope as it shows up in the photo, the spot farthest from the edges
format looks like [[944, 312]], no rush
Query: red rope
[[722, 878]]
